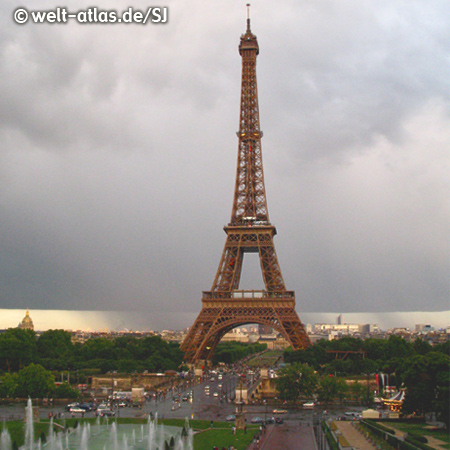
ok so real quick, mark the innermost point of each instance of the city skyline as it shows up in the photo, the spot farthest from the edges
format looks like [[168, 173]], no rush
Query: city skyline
[[118, 153], [135, 321]]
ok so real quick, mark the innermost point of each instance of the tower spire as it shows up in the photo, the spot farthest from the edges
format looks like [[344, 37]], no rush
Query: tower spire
[[248, 18], [250, 197]]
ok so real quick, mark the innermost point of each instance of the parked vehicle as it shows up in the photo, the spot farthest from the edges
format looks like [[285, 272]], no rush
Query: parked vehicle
[[279, 411], [351, 415], [71, 405], [87, 406], [257, 420], [104, 412], [77, 410], [231, 418]]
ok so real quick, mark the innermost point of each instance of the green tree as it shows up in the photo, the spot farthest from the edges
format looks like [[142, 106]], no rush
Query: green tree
[[8, 385], [397, 347], [17, 349], [331, 388], [426, 378], [295, 380], [421, 347], [64, 390], [358, 391], [34, 381], [55, 344]]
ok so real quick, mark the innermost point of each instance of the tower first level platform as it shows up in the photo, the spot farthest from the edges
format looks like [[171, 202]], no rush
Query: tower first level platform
[[224, 310]]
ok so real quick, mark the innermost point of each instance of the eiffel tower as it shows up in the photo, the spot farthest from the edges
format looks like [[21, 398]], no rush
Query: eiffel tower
[[225, 307]]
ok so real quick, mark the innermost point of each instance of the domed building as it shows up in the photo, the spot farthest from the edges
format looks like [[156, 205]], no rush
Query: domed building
[[27, 323]]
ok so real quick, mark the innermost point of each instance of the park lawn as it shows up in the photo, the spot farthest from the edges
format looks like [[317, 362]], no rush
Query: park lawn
[[423, 429], [194, 424], [16, 429], [267, 359], [222, 437]]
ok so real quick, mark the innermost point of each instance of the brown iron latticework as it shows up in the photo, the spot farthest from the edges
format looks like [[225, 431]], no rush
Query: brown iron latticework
[[249, 231]]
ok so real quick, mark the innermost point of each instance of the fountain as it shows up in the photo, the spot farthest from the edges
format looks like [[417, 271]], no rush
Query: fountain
[[29, 427], [104, 435], [5, 439]]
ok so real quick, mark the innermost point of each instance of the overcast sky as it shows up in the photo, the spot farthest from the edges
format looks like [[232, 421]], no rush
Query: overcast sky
[[118, 154]]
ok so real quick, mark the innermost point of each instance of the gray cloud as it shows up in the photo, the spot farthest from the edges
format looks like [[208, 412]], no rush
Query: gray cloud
[[118, 153]]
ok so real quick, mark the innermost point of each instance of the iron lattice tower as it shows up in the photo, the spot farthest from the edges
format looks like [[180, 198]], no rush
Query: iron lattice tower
[[225, 307]]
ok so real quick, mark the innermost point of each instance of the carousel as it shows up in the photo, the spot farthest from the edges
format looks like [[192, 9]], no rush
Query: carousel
[[395, 403]]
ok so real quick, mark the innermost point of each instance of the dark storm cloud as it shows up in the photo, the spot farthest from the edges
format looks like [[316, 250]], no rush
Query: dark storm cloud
[[118, 153]]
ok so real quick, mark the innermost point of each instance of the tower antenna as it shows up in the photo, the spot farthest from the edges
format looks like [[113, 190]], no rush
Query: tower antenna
[[248, 16]]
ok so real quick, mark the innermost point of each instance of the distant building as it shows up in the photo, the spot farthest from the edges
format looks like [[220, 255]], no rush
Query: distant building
[[235, 335], [420, 328], [265, 329], [344, 328], [27, 323]]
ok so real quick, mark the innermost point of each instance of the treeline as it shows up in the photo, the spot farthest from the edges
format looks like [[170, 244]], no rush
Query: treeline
[[55, 351], [422, 370], [380, 355], [230, 352]]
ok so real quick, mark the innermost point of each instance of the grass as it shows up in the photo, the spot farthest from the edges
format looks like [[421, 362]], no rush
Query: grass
[[222, 437], [16, 429], [420, 429], [266, 359]]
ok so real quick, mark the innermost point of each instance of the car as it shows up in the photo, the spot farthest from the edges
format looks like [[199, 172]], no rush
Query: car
[[279, 420], [71, 405], [352, 416], [257, 420], [231, 418], [87, 406], [216, 394], [309, 405], [185, 398], [104, 412], [77, 409], [220, 386], [270, 421], [279, 411], [122, 404]]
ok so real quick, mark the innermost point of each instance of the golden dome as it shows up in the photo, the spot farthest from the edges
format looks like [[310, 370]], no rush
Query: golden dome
[[27, 323]]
